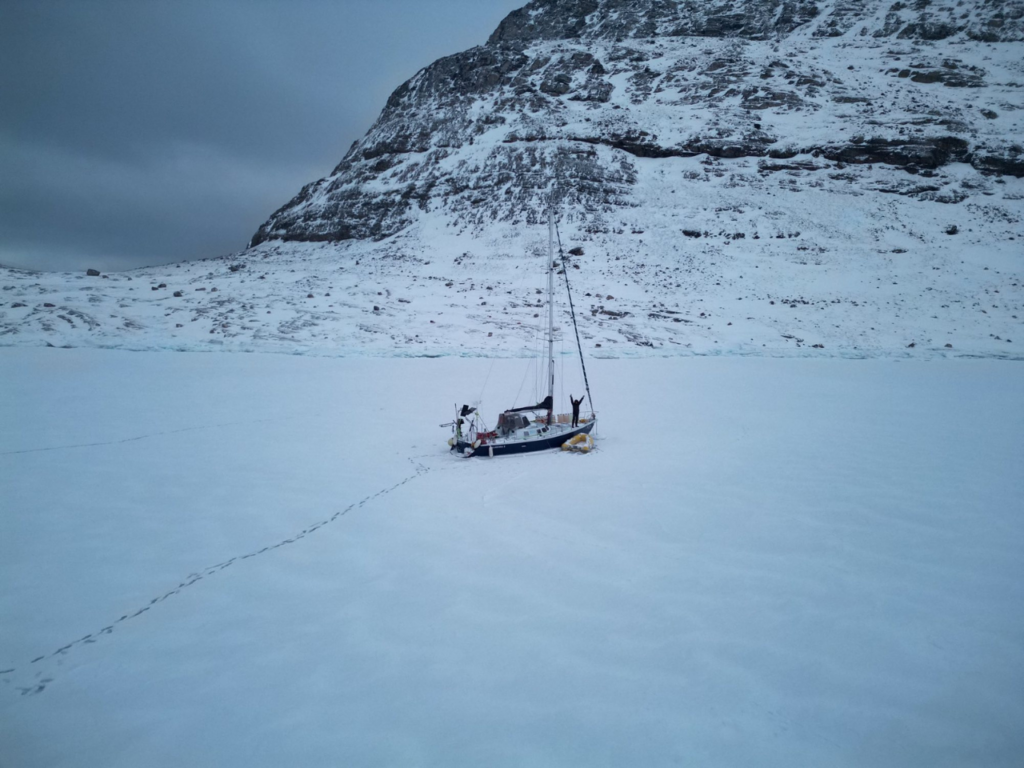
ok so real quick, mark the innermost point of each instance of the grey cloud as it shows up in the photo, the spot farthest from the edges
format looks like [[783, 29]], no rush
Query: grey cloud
[[137, 133]]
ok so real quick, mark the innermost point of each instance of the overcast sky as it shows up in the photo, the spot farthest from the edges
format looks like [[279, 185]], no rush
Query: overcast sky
[[140, 132]]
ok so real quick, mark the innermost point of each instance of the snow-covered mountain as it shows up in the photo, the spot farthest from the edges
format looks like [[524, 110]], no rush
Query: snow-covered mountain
[[772, 176], [565, 97]]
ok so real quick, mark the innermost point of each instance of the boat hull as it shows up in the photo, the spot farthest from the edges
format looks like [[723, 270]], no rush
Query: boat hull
[[529, 445]]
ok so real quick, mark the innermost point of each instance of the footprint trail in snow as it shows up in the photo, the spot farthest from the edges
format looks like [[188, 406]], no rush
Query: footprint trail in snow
[[39, 683]]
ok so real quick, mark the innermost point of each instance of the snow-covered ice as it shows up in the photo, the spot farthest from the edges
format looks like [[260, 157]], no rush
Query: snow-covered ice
[[766, 562]]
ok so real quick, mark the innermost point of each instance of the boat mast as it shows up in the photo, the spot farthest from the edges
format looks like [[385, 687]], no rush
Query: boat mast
[[551, 314], [575, 327]]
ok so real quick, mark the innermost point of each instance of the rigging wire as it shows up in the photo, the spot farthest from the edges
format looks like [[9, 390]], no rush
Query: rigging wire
[[572, 311], [488, 378], [531, 367], [540, 366], [561, 373], [515, 402]]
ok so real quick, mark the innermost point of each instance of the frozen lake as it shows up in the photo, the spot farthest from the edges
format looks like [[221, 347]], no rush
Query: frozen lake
[[266, 560]]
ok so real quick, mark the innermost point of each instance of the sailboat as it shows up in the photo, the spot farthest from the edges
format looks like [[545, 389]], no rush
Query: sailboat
[[533, 427]]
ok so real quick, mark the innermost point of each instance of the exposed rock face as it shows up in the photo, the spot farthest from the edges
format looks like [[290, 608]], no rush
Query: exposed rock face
[[567, 96], [621, 19]]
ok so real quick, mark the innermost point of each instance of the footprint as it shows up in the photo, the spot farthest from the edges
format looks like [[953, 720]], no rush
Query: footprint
[[195, 577]]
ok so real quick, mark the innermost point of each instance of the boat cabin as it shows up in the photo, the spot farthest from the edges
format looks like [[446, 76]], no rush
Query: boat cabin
[[510, 422]]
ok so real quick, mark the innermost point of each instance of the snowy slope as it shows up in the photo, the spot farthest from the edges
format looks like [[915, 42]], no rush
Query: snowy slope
[[216, 560], [860, 274]]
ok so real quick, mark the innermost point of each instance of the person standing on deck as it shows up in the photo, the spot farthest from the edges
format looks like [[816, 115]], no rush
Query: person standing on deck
[[575, 410]]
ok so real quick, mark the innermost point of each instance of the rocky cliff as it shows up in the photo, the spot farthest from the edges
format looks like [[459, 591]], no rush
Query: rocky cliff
[[564, 97]]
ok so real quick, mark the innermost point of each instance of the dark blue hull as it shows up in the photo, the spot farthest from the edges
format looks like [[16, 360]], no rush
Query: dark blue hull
[[529, 445]]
